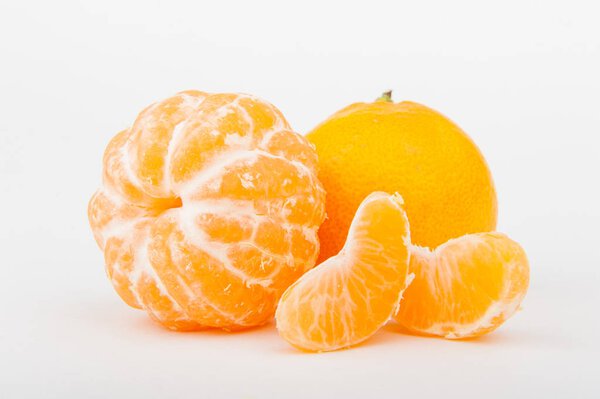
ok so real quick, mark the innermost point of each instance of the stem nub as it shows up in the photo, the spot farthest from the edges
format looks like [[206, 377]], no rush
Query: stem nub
[[385, 97]]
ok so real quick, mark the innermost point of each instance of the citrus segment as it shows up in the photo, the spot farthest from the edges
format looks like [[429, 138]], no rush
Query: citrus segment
[[347, 298], [466, 287]]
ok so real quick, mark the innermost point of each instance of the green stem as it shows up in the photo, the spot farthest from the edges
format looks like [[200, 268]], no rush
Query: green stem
[[385, 97]]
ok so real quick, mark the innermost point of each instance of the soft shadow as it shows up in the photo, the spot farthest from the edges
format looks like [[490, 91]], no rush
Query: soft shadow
[[498, 337], [286, 349], [116, 316], [509, 337], [143, 322], [392, 334], [384, 336]]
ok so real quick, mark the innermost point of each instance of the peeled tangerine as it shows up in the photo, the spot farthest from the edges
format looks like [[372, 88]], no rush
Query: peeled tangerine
[[208, 210], [347, 298], [466, 287]]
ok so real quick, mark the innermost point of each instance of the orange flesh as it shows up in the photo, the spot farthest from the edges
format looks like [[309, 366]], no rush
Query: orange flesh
[[466, 287], [208, 211], [347, 298]]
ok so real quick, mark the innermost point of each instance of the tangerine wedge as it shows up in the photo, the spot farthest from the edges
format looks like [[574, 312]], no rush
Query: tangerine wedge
[[466, 287], [347, 298]]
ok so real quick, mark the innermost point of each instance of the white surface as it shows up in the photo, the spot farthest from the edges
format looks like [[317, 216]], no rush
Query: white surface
[[521, 77]]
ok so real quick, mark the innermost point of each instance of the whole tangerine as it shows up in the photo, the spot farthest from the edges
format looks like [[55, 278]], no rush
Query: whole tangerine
[[407, 148]]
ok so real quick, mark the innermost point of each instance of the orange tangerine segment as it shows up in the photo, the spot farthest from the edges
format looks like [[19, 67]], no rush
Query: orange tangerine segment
[[466, 287], [152, 132], [347, 298], [223, 127]]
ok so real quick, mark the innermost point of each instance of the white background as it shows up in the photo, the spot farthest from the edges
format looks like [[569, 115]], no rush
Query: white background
[[521, 77]]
